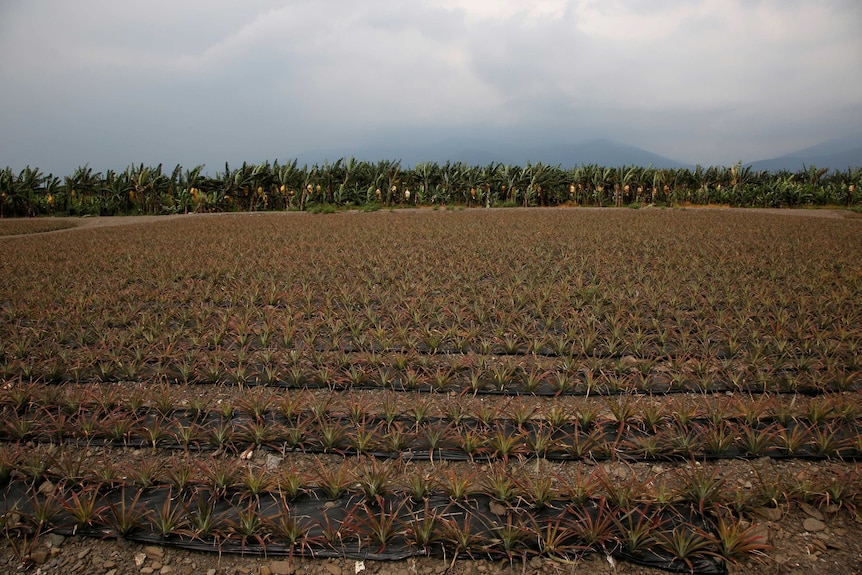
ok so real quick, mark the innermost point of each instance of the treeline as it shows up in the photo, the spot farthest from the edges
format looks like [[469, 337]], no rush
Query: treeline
[[353, 183]]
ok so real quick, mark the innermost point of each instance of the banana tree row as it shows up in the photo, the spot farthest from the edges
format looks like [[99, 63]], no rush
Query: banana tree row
[[350, 182]]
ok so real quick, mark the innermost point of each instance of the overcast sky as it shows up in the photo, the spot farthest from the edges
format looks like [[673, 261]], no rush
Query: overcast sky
[[116, 82]]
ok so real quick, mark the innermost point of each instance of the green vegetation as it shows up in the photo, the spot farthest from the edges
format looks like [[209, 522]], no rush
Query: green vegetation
[[354, 184]]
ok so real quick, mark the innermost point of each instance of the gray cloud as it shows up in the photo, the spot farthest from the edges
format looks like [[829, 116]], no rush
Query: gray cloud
[[709, 81]]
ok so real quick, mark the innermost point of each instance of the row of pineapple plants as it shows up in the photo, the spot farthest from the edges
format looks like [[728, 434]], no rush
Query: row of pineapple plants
[[530, 483], [525, 482], [369, 508], [493, 374], [441, 441], [291, 405], [828, 427]]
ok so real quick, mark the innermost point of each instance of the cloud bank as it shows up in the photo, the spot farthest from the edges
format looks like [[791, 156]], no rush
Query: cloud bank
[[710, 81]]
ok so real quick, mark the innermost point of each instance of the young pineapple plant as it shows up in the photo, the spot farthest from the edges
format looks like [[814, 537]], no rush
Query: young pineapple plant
[[458, 485], [461, 532], [419, 485], [375, 478], [126, 515], [737, 541], [382, 524], [686, 544], [247, 526], [84, 506], [505, 443], [169, 520], [500, 485], [333, 480], [594, 526], [700, 487], [435, 437], [510, 538], [288, 529], [639, 529], [220, 475]]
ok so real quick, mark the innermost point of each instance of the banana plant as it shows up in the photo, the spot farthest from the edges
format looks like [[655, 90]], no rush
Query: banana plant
[[287, 179], [511, 179], [20, 200], [343, 193], [116, 196], [490, 182], [427, 177], [187, 185], [148, 186], [79, 189]]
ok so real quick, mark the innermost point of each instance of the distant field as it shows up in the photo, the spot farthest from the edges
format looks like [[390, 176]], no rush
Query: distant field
[[14, 227], [679, 389]]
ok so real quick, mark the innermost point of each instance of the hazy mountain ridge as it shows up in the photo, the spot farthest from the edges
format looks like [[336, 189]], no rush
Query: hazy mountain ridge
[[603, 152], [834, 154], [838, 153]]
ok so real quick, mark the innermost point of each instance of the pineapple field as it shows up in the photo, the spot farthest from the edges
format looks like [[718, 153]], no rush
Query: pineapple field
[[533, 390]]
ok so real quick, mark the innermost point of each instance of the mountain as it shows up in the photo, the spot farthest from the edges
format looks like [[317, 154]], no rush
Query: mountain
[[835, 154], [602, 152], [481, 152]]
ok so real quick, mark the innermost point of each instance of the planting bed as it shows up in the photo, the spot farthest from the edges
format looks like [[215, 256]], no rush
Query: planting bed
[[536, 390]]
